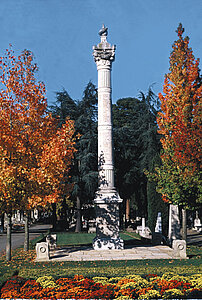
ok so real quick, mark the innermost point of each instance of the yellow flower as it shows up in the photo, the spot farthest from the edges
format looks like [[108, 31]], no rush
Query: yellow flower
[[196, 281], [172, 293], [46, 281], [152, 294], [103, 280]]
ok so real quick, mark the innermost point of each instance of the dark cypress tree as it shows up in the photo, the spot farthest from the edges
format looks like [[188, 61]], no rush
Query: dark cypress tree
[[127, 179], [65, 107], [84, 169], [150, 158], [137, 146]]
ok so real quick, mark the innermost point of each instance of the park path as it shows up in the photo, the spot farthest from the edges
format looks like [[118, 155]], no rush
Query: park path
[[194, 237], [128, 253], [17, 238], [87, 253]]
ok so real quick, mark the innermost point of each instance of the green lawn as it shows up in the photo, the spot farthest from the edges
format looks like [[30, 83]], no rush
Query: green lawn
[[76, 239], [23, 263]]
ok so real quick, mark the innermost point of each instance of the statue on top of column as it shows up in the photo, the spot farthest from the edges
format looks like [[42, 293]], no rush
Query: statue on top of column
[[103, 31]]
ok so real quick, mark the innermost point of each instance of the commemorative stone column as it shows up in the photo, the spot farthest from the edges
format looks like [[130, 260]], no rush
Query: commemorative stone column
[[107, 199]]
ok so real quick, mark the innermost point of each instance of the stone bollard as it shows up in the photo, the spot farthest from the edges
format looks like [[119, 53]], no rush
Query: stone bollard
[[157, 234], [158, 227], [42, 251], [174, 224], [143, 225], [197, 224], [92, 230], [51, 240], [179, 247]]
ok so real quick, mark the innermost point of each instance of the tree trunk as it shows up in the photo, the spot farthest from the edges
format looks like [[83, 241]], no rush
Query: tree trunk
[[78, 217], [26, 241], [8, 240], [2, 222], [127, 212], [64, 214], [54, 216], [184, 224]]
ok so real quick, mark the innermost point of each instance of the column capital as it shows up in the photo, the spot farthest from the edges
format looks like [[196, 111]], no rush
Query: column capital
[[102, 63], [104, 53]]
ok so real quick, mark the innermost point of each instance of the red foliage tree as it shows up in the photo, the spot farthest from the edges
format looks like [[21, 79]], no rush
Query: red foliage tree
[[180, 126]]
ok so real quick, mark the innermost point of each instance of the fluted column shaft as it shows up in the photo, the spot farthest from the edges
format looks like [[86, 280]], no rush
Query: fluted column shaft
[[105, 139]]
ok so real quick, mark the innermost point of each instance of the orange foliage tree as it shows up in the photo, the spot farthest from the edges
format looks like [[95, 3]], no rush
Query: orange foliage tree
[[180, 126], [35, 154]]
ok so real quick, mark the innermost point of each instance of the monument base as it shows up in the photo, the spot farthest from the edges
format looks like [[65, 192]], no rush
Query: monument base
[[107, 220], [108, 244]]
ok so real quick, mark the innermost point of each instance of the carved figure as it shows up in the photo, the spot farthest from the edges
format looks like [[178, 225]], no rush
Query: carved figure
[[103, 30]]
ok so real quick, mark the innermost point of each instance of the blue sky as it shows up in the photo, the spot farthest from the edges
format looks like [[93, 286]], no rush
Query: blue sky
[[61, 34]]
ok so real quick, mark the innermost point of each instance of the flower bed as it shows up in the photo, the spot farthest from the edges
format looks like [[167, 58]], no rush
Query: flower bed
[[152, 286]]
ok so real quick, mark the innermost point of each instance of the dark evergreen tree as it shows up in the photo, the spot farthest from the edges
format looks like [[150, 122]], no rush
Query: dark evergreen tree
[[85, 167], [137, 147], [126, 150], [84, 170], [65, 107], [150, 158]]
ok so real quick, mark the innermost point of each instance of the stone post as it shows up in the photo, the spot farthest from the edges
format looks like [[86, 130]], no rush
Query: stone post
[[143, 225], [36, 214], [179, 248], [158, 227], [42, 251], [157, 234], [174, 223], [197, 222], [8, 239], [107, 199]]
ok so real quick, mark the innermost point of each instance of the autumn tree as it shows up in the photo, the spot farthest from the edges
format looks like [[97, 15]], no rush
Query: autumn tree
[[35, 155], [180, 126]]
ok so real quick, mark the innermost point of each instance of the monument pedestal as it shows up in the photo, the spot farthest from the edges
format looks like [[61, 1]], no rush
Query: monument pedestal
[[107, 221]]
